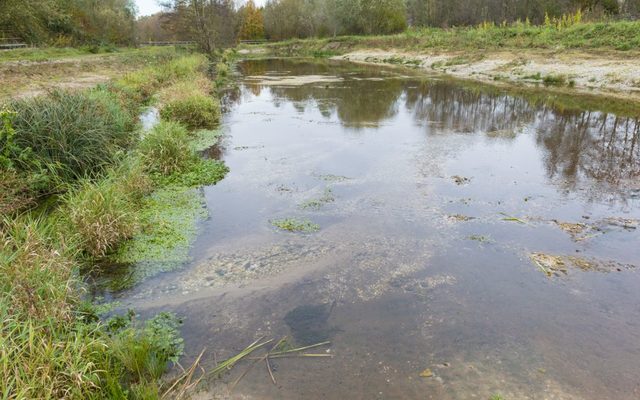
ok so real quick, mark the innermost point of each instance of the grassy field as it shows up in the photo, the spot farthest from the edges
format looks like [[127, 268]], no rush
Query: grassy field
[[77, 183], [566, 33]]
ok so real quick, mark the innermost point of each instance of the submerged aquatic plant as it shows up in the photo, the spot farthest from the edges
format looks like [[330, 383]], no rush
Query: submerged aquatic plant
[[168, 221], [316, 204], [296, 225]]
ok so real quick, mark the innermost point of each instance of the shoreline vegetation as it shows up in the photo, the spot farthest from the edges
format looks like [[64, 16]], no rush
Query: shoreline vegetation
[[81, 183]]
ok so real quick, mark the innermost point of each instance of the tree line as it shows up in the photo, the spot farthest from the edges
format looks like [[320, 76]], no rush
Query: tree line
[[284, 19], [220, 23]]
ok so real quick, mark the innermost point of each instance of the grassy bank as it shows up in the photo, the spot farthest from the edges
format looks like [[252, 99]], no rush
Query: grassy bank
[[79, 182], [566, 33]]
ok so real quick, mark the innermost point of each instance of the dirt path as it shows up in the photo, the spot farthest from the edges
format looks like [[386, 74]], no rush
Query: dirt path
[[601, 73]]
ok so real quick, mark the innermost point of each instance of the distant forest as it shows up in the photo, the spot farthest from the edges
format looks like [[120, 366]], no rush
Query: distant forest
[[219, 23]]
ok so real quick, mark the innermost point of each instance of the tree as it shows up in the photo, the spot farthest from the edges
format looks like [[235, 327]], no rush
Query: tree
[[252, 27], [212, 23], [382, 16]]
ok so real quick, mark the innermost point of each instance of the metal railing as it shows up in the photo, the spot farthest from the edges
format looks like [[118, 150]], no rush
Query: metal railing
[[178, 43], [256, 41], [8, 41]]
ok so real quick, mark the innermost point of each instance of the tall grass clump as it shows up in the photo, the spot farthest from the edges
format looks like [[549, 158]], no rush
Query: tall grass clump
[[165, 149], [169, 157], [190, 103], [70, 134], [43, 354], [53, 345], [100, 214]]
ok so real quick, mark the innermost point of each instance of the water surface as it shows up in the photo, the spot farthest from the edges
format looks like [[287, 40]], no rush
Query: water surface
[[431, 195]]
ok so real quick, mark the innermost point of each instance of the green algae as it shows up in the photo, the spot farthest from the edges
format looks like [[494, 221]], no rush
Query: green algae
[[205, 138], [316, 204], [295, 225], [169, 219], [201, 173]]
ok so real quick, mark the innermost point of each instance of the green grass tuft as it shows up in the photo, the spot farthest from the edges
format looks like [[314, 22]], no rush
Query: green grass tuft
[[195, 111], [165, 149]]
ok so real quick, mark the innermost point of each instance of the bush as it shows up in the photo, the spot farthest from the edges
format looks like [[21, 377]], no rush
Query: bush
[[16, 191], [168, 154], [132, 179], [70, 134], [165, 149]]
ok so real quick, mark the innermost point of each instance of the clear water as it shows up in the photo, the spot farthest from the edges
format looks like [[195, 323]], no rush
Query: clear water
[[398, 278]]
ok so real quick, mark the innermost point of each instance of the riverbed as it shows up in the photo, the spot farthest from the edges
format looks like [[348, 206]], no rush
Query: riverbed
[[472, 241]]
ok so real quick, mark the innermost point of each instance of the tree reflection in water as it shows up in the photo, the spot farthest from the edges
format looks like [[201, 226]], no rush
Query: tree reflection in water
[[578, 144]]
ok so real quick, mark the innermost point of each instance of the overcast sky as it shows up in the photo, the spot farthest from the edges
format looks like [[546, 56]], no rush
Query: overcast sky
[[148, 7]]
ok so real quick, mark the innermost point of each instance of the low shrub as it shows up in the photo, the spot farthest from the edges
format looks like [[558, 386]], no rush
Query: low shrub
[[189, 103], [16, 191], [132, 179], [137, 86], [169, 156], [554, 80], [222, 69]]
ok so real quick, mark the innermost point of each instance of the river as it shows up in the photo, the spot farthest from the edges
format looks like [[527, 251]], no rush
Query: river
[[483, 238]]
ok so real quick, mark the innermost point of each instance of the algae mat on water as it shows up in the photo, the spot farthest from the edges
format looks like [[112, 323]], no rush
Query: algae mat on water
[[169, 224]]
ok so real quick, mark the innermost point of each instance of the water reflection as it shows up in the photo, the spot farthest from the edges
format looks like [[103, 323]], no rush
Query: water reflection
[[578, 144]]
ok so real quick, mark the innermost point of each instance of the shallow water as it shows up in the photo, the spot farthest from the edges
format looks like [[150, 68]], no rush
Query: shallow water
[[431, 196]]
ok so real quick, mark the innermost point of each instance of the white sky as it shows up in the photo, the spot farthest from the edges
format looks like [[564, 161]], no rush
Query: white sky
[[148, 7]]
